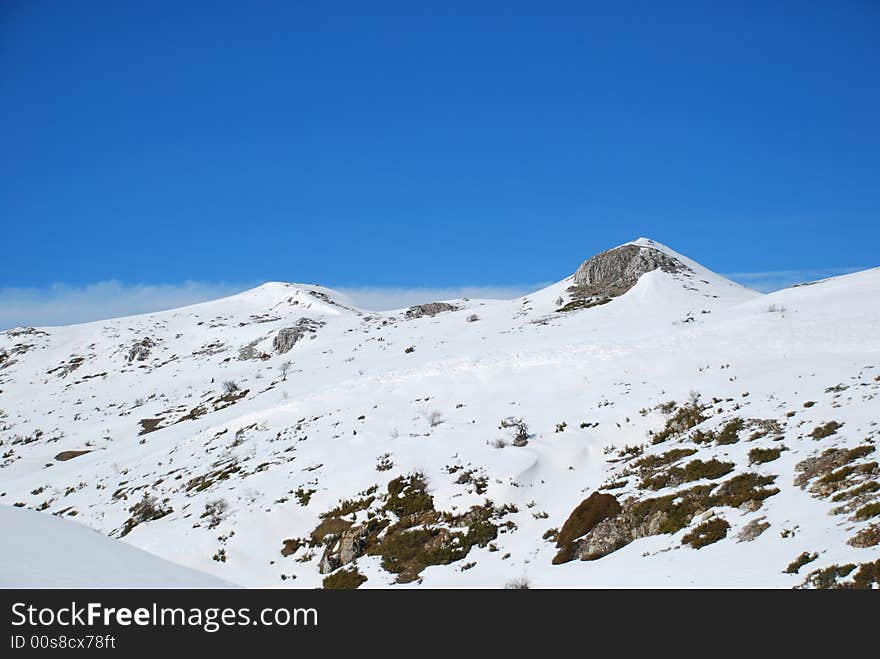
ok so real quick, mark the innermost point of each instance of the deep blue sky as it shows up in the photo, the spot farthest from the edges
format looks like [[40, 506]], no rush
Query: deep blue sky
[[440, 143]]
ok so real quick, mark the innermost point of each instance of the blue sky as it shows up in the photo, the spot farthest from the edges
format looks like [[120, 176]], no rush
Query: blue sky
[[428, 145]]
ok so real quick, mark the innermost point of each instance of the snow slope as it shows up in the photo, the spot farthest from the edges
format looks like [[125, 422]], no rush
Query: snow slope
[[41, 551], [363, 398]]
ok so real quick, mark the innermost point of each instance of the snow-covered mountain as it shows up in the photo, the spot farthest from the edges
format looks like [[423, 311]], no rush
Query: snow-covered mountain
[[644, 422]]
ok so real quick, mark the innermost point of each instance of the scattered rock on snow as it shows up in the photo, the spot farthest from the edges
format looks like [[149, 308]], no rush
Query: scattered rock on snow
[[430, 309], [140, 350], [288, 336], [344, 549]]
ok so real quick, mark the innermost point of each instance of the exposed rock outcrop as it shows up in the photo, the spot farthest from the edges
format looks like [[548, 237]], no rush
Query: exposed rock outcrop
[[141, 350], [611, 534], [250, 351], [430, 309], [612, 273], [346, 547], [288, 336], [592, 511], [600, 525]]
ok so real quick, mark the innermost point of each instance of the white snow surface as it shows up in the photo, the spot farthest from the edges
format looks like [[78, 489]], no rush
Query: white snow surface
[[42, 551], [354, 392]]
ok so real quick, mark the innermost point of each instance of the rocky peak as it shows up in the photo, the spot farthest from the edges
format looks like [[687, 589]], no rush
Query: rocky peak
[[614, 272]]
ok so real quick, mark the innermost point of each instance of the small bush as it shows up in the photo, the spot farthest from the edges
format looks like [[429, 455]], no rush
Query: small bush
[[677, 509], [837, 476], [518, 584], [215, 511], [384, 463], [303, 495], [666, 408], [291, 546], [762, 455], [868, 512], [745, 487], [729, 434], [344, 580], [230, 386], [825, 430], [470, 477], [146, 510], [865, 488], [692, 471], [826, 578], [521, 437], [703, 436], [800, 561], [408, 495], [574, 305], [867, 575], [707, 533], [348, 507], [686, 417], [869, 537]]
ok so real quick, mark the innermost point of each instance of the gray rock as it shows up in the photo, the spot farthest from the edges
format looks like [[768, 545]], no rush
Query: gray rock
[[750, 506], [250, 351], [612, 273], [287, 337], [611, 534], [752, 530], [140, 350], [430, 309], [343, 549]]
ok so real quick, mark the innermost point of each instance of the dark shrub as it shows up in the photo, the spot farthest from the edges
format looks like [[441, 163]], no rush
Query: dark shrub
[[344, 580], [707, 533]]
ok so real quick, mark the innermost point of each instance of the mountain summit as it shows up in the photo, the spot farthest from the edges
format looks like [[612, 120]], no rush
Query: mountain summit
[[612, 273]]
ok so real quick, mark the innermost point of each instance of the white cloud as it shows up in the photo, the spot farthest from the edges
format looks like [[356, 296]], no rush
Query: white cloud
[[774, 280]]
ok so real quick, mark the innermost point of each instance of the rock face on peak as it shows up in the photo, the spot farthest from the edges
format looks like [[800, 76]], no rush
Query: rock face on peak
[[612, 273]]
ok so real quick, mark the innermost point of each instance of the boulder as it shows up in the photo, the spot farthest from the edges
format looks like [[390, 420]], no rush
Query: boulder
[[288, 336], [430, 309], [589, 514], [343, 549], [140, 350]]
